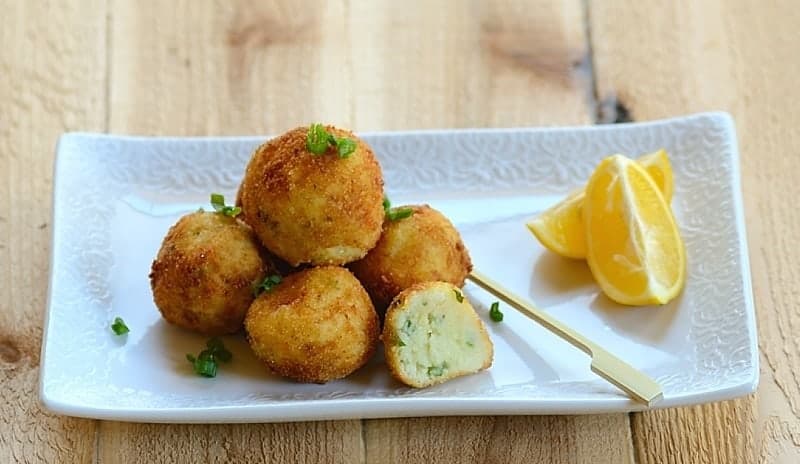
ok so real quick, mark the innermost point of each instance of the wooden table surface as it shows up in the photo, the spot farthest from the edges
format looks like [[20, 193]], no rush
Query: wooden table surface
[[236, 67]]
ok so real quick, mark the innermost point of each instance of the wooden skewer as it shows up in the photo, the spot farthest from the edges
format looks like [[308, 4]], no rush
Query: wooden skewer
[[635, 383]]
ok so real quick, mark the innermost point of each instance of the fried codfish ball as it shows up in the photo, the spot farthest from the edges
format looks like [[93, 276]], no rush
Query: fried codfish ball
[[316, 325], [316, 209], [432, 334], [205, 272], [423, 247]]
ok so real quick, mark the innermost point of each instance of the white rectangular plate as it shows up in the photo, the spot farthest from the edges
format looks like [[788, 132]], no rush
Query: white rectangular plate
[[115, 198]]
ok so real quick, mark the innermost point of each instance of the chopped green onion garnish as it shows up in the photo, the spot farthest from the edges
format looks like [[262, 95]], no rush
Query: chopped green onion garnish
[[317, 139], [459, 296], [345, 146], [119, 327], [437, 371], [217, 348], [395, 214], [267, 284], [218, 202], [494, 312], [205, 364]]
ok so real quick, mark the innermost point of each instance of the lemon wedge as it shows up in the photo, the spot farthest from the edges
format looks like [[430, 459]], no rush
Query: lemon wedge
[[633, 246], [658, 166], [560, 228]]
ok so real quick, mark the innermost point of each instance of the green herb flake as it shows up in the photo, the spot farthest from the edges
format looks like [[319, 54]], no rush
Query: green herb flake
[[408, 328], [494, 312], [119, 327], [205, 364], [218, 202], [345, 146], [437, 371], [218, 350], [459, 296], [267, 284], [395, 214], [205, 367], [318, 139], [400, 342]]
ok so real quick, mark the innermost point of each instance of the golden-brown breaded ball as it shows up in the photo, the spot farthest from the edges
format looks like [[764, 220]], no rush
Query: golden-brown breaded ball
[[423, 247], [432, 334], [317, 209], [316, 325], [205, 272]]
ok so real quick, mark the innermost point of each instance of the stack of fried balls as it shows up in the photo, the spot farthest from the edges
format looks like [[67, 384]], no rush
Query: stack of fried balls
[[309, 260]]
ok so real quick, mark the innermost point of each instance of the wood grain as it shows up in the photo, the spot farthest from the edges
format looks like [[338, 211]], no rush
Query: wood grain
[[551, 439], [312, 442], [662, 59], [52, 64], [249, 67]]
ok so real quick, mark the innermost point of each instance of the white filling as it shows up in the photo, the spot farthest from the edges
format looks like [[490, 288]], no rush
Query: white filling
[[436, 336]]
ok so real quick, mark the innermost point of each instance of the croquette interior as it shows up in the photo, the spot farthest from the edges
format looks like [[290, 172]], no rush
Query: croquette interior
[[432, 334]]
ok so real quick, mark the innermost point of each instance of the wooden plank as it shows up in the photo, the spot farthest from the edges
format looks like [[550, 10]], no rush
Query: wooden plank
[[52, 64], [312, 442], [662, 59], [469, 64], [551, 439], [248, 68]]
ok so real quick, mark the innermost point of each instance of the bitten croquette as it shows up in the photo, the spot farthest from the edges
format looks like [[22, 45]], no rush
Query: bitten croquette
[[432, 334], [317, 325], [313, 209], [423, 247], [205, 272]]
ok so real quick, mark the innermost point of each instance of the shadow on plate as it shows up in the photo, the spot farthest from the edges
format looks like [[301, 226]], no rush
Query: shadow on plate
[[175, 343], [556, 279], [541, 369], [645, 324], [374, 373]]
